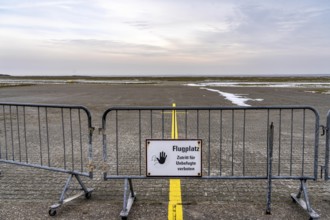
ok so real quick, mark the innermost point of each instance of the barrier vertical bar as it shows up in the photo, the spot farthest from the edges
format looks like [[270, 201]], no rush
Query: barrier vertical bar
[[25, 141], [220, 144], [279, 141], [140, 143], [163, 124], [80, 140], [63, 135], [40, 142], [71, 132], [47, 134], [291, 143], [117, 159], [90, 144], [303, 144], [0, 148], [105, 151], [244, 120], [1, 141], [5, 129], [18, 136], [209, 147], [11, 133], [269, 171], [232, 140], [150, 125], [327, 147], [316, 144], [267, 141], [197, 124], [186, 124]]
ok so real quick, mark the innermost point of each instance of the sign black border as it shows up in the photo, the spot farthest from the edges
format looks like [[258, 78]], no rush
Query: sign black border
[[169, 176]]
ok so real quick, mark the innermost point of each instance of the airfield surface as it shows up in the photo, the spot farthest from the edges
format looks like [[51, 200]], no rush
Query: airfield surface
[[27, 193]]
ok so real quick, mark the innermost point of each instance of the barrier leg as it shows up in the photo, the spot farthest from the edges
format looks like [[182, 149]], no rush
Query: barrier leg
[[84, 191], [128, 202], [304, 202]]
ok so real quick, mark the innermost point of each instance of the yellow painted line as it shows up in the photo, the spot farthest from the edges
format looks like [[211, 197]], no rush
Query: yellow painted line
[[175, 201], [174, 134]]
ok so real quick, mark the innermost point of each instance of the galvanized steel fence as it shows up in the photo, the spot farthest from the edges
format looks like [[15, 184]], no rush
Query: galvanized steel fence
[[277, 142], [237, 143], [51, 137]]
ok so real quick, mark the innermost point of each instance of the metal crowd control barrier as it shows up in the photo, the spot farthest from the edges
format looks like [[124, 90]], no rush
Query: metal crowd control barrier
[[267, 143], [51, 137]]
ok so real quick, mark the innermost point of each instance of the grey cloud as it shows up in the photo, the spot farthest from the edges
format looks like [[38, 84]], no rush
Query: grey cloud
[[262, 20], [110, 47]]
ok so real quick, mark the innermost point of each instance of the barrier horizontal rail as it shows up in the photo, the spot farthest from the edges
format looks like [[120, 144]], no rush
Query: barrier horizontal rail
[[235, 142], [51, 137]]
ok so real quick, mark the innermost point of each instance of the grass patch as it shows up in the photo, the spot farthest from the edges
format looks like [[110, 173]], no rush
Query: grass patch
[[319, 91], [2, 85], [179, 79]]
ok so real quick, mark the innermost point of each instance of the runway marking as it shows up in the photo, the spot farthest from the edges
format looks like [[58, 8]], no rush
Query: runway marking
[[175, 201], [174, 134]]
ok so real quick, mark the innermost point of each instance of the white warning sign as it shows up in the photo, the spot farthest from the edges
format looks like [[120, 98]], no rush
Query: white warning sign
[[174, 158]]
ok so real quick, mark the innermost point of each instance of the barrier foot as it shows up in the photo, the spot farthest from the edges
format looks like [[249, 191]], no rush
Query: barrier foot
[[304, 202], [128, 202], [84, 191]]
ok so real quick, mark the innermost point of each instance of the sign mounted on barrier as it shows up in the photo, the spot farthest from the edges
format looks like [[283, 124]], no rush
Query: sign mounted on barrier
[[174, 158]]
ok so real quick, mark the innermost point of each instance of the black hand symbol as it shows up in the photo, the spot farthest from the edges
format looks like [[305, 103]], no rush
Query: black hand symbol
[[162, 157]]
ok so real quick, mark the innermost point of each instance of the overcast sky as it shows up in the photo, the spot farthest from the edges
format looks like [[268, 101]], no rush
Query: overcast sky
[[164, 37]]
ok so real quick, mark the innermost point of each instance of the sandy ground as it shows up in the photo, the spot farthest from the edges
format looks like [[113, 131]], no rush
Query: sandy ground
[[27, 193]]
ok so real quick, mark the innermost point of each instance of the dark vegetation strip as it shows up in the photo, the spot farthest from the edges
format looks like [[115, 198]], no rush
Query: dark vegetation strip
[[179, 79]]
